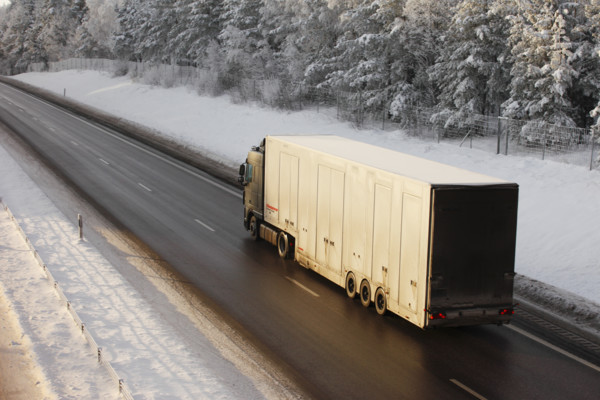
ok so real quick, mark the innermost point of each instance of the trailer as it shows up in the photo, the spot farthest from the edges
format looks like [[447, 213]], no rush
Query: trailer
[[429, 242]]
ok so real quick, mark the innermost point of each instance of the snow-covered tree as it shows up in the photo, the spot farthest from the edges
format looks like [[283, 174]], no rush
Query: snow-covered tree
[[154, 30], [198, 24], [308, 48], [59, 21], [241, 43], [472, 70], [542, 73], [592, 12], [94, 36], [363, 57], [20, 40], [417, 35], [130, 16]]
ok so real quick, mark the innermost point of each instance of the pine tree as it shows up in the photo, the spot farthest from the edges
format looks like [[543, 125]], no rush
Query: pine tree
[[592, 12], [20, 41], [100, 24], [59, 21], [472, 70], [130, 16], [310, 47], [241, 42], [542, 74], [198, 25], [417, 35], [362, 60]]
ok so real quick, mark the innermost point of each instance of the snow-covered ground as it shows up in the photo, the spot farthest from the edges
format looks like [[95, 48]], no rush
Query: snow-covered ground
[[558, 225]]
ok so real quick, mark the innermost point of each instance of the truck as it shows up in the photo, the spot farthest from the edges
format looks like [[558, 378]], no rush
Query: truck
[[432, 243]]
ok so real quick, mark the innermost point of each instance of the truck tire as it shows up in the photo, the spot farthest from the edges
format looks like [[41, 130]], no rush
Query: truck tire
[[351, 285], [283, 245], [380, 301], [365, 293], [253, 228]]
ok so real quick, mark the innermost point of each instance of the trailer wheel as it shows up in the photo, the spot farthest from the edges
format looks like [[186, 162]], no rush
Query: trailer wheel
[[253, 228], [380, 301], [351, 285], [283, 245], [365, 293]]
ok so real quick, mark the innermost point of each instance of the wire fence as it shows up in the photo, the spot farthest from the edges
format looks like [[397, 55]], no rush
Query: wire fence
[[124, 390], [500, 135]]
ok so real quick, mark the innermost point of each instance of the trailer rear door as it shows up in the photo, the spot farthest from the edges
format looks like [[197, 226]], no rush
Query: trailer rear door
[[472, 249]]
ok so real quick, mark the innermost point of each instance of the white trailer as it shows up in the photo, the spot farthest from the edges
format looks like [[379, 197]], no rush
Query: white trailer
[[429, 242]]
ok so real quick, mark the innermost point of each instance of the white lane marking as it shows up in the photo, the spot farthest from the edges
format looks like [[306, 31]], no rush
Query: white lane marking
[[555, 348], [104, 161], [74, 143], [467, 389], [204, 225], [301, 286], [100, 127], [145, 187]]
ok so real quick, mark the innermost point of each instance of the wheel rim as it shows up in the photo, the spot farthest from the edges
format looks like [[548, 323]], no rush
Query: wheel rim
[[283, 245], [365, 293], [380, 301], [351, 285]]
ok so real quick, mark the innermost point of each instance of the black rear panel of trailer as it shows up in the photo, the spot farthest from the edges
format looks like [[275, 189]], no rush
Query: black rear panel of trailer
[[472, 245]]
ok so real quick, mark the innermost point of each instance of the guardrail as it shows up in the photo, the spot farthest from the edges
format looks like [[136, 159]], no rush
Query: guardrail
[[123, 388]]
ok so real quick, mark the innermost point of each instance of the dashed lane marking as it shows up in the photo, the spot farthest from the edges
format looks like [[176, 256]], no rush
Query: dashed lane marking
[[145, 187], [204, 225], [301, 286], [467, 389]]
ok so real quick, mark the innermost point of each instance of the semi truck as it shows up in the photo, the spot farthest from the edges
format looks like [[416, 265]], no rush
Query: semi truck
[[430, 242]]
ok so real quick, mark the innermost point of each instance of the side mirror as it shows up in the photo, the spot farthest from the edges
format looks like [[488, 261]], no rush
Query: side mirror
[[245, 174], [242, 174]]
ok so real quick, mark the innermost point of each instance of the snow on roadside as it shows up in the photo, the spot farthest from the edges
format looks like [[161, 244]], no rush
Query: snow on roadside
[[60, 364], [558, 212], [143, 348]]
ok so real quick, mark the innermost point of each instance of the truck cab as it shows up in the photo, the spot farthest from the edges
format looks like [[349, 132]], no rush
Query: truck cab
[[251, 176]]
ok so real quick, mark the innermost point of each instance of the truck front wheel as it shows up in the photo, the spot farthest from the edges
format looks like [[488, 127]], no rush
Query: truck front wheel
[[283, 245], [253, 228]]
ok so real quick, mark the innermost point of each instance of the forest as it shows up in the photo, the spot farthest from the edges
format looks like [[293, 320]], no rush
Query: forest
[[533, 60]]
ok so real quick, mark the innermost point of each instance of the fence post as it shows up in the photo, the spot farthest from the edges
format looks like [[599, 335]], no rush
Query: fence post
[[544, 142], [499, 134], [592, 152]]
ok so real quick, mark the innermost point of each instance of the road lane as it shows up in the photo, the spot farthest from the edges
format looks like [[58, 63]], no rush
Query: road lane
[[330, 343]]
